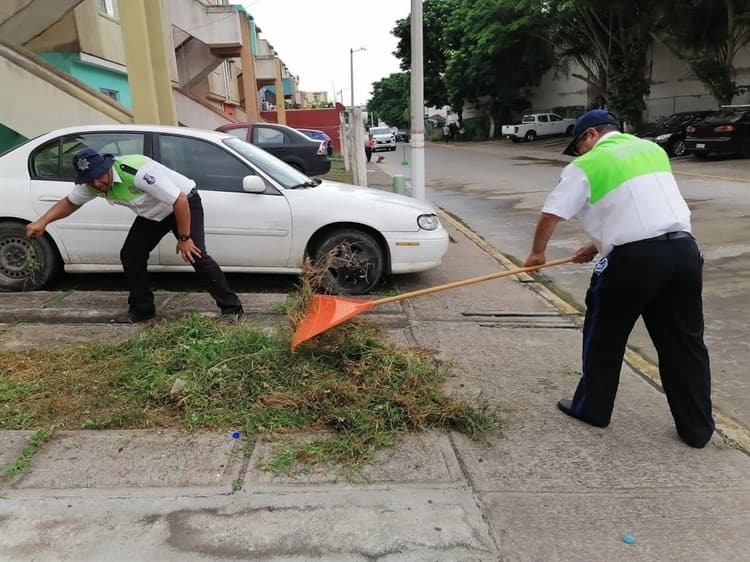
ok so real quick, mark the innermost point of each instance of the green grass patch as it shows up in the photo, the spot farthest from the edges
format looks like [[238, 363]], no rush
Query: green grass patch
[[23, 462], [362, 390], [337, 171]]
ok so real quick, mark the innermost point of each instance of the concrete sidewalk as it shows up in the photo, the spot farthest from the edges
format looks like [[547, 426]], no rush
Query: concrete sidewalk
[[542, 487]]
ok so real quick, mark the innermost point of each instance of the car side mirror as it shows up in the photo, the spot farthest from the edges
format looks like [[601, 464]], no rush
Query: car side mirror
[[253, 184]]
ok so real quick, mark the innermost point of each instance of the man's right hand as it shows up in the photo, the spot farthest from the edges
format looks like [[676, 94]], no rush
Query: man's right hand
[[35, 229]]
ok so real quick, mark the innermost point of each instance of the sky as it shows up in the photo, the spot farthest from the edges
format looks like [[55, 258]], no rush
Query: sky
[[314, 37]]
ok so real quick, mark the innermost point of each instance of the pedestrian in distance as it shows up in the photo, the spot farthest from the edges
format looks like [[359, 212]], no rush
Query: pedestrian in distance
[[623, 191], [163, 201], [369, 144], [446, 132]]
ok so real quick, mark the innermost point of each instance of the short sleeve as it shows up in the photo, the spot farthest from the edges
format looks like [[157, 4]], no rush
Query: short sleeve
[[81, 195], [570, 195], [156, 180]]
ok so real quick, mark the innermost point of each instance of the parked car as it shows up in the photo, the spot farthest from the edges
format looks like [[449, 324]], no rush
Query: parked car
[[261, 215], [307, 155], [669, 132], [538, 125], [402, 136], [725, 132], [319, 135], [383, 139]]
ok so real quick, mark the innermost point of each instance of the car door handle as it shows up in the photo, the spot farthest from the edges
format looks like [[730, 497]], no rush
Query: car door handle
[[50, 198]]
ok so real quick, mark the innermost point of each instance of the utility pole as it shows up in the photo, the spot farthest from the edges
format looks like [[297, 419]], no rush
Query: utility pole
[[417, 103], [351, 70]]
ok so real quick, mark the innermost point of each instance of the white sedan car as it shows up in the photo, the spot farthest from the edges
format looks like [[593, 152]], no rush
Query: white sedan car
[[261, 215]]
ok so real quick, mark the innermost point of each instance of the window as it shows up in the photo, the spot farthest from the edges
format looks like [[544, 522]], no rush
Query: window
[[239, 132], [114, 94], [542, 118], [108, 7], [54, 160], [266, 135], [210, 166], [553, 117]]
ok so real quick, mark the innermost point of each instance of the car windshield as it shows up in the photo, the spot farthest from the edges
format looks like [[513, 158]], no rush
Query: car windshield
[[287, 176], [380, 131], [527, 119]]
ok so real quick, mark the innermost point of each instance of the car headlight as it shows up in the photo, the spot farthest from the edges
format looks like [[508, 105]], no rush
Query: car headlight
[[428, 222], [662, 138]]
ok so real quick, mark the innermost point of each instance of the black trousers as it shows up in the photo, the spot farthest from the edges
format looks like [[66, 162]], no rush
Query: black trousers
[[368, 153], [143, 237], [662, 281]]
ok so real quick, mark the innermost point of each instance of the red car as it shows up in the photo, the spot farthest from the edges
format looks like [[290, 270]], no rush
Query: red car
[[307, 155]]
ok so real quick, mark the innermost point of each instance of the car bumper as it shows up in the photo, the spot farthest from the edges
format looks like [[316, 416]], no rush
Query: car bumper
[[413, 252], [719, 145], [320, 167]]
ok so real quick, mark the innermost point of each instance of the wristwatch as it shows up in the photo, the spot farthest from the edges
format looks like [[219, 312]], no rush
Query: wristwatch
[[183, 237]]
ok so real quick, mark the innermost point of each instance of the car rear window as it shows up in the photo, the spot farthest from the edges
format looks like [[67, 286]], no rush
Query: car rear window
[[528, 119], [725, 117], [380, 131]]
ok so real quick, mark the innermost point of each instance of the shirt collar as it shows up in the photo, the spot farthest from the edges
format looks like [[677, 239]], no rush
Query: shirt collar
[[606, 135]]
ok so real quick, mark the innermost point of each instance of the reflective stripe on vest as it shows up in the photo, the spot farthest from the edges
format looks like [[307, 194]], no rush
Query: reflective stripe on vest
[[617, 159]]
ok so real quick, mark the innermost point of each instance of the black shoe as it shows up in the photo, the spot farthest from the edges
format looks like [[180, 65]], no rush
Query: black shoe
[[566, 406], [133, 318]]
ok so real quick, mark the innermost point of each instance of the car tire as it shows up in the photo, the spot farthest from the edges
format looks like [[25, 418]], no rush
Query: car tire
[[676, 146], [356, 262], [569, 131], [530, 136], [17, 271]]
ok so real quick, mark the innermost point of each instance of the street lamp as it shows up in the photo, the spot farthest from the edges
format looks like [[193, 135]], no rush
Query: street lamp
[[351, 68]]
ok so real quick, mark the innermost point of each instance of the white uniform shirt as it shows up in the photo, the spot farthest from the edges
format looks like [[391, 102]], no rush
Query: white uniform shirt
[[642, 207], [160, 185]]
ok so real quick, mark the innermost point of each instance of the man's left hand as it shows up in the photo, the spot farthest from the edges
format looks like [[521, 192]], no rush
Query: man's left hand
[[535, 259], [189, 250], [585, 254]]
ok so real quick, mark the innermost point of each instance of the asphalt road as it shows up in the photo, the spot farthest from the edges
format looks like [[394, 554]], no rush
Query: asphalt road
[[497, 189]]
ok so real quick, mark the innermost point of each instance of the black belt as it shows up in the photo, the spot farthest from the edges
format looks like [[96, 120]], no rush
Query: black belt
[[193, 193], [671, 236]]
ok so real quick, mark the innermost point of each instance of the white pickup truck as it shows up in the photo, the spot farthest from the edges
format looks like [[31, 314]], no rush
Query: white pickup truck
[[536, 125]]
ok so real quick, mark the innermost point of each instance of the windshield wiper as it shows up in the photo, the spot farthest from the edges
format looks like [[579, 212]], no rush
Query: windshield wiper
[[312, 183]]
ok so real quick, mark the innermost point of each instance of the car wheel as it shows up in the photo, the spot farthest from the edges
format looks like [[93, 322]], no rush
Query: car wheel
[[530, 136], [676, 146], [569, 130], [352, 261], [25, 265]]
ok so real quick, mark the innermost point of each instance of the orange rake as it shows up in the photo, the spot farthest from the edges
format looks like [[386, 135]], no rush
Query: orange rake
[[326, 311]]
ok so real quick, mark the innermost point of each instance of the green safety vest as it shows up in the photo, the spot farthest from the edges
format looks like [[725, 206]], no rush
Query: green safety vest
[[617, 159], [125, 190]]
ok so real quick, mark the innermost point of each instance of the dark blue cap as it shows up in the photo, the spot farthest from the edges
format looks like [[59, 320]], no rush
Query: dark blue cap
[[90, 165], [593, 118]]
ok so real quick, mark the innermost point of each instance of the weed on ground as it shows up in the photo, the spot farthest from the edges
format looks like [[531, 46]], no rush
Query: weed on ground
[[351, 381]]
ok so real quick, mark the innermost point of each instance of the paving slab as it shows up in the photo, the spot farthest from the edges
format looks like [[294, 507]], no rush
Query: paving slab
[[12, 443], [32, 299], [666, 526], [404, 524], [145, 459], [426, 458], [29, 335]]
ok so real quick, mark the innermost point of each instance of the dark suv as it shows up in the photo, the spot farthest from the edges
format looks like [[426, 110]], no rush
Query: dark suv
[[307, 155], [725, 132]]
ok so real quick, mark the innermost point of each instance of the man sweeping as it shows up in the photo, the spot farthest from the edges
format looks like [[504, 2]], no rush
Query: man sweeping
[[623, 191]]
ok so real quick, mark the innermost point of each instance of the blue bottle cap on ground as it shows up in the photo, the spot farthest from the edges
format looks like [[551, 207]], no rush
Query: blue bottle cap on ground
[[628, 539], [236, 435]]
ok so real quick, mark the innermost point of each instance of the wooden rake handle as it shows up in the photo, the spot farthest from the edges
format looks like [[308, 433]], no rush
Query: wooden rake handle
[[471, 281]]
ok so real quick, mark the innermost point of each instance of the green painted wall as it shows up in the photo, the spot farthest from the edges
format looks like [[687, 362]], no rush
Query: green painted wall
[[9, 138], [94, 76]]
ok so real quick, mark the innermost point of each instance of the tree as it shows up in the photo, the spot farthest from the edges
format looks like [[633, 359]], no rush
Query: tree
[[437, 44], [610, 40], [390, 100], [708, 34]]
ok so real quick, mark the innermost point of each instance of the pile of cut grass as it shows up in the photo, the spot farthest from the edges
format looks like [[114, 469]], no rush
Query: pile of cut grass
[[351, 381]]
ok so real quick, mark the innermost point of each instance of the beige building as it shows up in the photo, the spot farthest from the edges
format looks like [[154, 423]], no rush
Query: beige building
[[313, 99], [674, 87], [198, 63]]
